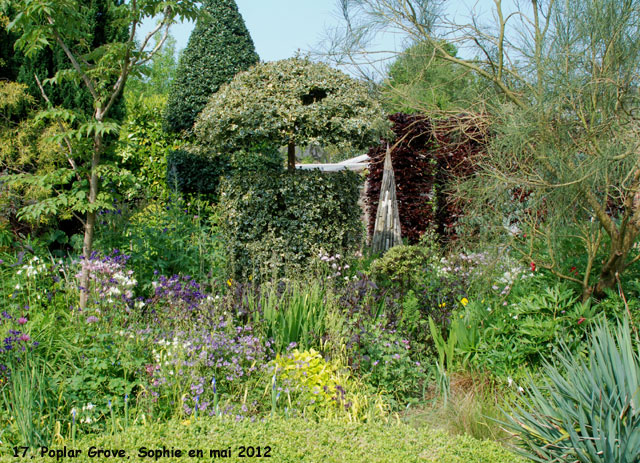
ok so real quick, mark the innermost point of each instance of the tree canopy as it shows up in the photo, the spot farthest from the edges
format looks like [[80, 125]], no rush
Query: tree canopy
[[418, 81], [291, 102], [102, 69], [219, 47]]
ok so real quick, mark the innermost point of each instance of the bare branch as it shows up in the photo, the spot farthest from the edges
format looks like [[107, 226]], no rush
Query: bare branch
[[74, 61]]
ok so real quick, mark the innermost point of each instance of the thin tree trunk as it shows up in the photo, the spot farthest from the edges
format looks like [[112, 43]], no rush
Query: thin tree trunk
[[89, 228], [291, 156], [617, 261]]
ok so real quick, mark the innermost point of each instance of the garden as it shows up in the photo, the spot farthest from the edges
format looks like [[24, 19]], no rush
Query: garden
[[176, 286]]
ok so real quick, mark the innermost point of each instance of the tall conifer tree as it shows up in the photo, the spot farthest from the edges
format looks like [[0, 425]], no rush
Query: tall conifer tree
[[219, 47]]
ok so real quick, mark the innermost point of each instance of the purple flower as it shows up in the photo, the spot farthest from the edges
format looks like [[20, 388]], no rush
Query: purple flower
[[92, 319]]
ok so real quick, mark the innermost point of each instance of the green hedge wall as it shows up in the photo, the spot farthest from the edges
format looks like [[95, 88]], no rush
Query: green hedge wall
[[274, 223]]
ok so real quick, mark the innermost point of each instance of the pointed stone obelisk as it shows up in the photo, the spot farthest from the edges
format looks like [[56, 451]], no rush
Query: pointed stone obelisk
[[386, 232]]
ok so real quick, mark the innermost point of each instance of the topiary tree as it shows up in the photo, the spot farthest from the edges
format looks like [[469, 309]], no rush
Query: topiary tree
[[291, 102], [219, 47]]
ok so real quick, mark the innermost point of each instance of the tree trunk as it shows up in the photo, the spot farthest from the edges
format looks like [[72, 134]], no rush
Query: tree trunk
[[291, 156], [89, 226], [617, 262]]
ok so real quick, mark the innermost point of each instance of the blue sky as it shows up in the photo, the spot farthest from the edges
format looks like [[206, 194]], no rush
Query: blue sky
[[281, 27]]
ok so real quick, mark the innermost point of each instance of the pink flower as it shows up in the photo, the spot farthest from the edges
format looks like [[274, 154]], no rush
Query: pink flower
[[22, 321], [25, 337]]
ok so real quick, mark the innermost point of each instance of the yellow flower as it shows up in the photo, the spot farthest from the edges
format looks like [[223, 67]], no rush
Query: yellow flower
[[229, 281], [443, 304], [464, 301]]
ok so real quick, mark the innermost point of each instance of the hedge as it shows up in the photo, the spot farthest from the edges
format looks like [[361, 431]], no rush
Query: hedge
[[273, 223], [219, 47], [193, 173]]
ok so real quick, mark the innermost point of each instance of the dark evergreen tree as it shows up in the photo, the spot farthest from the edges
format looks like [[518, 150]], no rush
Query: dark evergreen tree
[[219, 47], [104, 28]]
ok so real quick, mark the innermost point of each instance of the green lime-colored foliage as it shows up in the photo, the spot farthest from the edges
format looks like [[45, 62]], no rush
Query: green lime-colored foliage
[[273, 224], [292, 440], [311, 382], [219, 47], [292, 101], [587, 410]]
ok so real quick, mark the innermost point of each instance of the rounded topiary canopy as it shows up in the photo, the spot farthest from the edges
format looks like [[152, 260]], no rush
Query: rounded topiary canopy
[[219, 47], [291, 102]]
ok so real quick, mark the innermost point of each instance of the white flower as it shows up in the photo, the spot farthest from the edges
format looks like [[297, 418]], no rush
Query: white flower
[[520, 389], [18, 286], [510, 381], [90, 406]]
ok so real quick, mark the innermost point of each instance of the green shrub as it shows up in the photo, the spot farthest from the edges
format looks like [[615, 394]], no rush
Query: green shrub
[[275, 223], [144, 146], [176, 237], [401, 266], [312, 383], [295, 440], [503, 337], [587, 410], [195, 173], [219, 47]]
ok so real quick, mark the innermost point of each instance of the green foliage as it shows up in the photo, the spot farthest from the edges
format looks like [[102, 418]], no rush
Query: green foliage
[[155, 78], [383, 358], [310, 380], [402, 266], [291, 440], [276, 222], [102, 24], [177, 237], [31, 399], [144, 145], [292, 101], [587, 410], [294, 315], [419, 81], [110, 368], [219, 47], [503, 337], [193, 173]]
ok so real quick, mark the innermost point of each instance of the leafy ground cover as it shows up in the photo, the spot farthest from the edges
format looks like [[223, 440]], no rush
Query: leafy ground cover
[[293, 440]]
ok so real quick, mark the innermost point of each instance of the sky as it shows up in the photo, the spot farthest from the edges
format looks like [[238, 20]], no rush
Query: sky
[[280, 28]]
